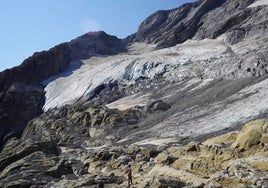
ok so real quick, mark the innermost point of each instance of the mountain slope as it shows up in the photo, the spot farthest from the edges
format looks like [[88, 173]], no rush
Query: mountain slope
[[20, 86], [237, 20], [194, 96], [150, 100], [229, 21]]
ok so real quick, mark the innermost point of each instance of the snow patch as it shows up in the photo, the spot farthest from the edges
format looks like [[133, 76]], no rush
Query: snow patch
[[78, 84], [157, 142], [130, 101], [259, 3]]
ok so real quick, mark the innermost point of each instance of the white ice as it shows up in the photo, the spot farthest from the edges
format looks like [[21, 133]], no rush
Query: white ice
[[259, 3], [79, 85]]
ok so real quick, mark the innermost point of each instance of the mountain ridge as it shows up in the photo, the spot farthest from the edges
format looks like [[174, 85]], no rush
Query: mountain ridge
[[39, 67], [193, 20], [35, 69], [170, 100]]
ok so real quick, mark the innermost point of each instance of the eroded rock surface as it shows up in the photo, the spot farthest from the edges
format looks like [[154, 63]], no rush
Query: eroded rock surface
[[49, 162], [18, 104], [237, 20]]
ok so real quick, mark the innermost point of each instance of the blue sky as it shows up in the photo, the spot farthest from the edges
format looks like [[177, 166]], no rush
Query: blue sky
[[28, 26]]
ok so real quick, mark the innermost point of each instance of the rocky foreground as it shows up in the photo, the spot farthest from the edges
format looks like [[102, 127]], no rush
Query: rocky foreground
[[72, 147]]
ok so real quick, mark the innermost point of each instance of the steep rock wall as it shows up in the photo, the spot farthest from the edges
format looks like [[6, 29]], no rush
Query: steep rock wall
[[235, 19], [21, 84]]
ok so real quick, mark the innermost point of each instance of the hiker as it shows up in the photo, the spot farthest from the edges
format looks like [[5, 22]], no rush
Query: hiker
[[101, 185], [129, 174]]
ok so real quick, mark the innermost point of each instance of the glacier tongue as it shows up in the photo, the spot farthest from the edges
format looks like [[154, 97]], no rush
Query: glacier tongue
[[79, 84]]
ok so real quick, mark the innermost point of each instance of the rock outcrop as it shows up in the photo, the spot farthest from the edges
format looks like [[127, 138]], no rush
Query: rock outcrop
[[42, 65], [252, 134], [155, 106], [84, 125], [22, 95], [236, 20], [18, 104], [42, 159]]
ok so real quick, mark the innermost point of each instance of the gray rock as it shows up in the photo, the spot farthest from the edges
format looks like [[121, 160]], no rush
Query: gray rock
[[19, 103], [24, 170], [171, 182], [203, 19], [17, 149], [156, 106], [21, 96], [18, 183]]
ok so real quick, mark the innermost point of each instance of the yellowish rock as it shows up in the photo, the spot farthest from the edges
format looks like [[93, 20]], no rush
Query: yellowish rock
[[164, 170], [264, 138], [261, 163], [182, 164], [165, 158], [222, 139], [251, 134], [162, 158]]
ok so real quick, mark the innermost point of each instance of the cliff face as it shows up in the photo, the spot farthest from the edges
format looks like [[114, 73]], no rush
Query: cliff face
[[203, 19], [22, 95], [44, 64]]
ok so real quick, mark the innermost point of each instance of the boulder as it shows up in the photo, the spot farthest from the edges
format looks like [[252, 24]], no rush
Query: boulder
[[21, 172], [171, 182], [156, 106], [132, 115], [182, 164], [91, 181], [17, 149], [260, 163], [124, 159], [101, 115], [251, 134], [103, 155], [239, 173], [18, 183], [163, 158], [150, 152], [66, 167], [181, 175], [95, 132], [193, 147]]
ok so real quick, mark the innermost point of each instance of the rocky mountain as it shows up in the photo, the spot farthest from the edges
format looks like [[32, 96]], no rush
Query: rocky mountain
[[204, 19], [22, 95], [183, 100]]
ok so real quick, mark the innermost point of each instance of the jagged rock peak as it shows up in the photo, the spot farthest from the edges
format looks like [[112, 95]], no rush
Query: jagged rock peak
[[235, 19]]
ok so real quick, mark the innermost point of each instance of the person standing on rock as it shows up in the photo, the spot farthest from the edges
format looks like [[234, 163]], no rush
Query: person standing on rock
[[129, 174], [101, 185]]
